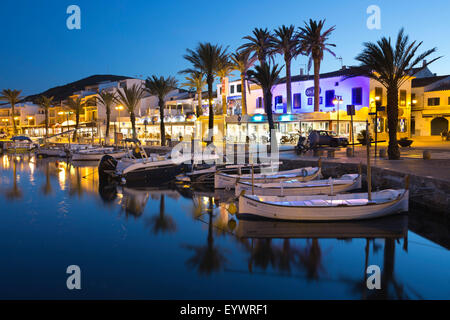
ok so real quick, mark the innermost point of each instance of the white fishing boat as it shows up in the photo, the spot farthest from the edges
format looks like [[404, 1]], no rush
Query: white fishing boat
[[350, 206], [223, 180], [19, 144], [53, 151], [92, 154], [294, 187]]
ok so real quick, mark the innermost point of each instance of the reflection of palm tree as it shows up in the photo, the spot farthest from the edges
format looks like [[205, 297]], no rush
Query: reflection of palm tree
[[311, 258], [75, 182], [162, 223], [15, 192], [47, 187], [286, 256], [207, 258], [263, 253]]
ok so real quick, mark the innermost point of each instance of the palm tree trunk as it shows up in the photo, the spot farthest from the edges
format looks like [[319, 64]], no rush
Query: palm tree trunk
[[288, 86], [133, 124], [13, 115], [199, 103], [77, 122], [392, 113], [316, 85], [46, 122], [224, 104], [108, 118], [268, 107], [211, 110], [243, 95], [161, 122]]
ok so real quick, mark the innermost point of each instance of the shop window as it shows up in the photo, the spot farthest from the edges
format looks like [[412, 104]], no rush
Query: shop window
[[357, 96], [259, 103], [402, 125], [403, 98], [434, 101], [298, 100], [329, 97], [239, 88]]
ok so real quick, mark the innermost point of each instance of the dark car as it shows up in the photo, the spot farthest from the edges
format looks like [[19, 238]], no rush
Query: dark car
[[319, 138]]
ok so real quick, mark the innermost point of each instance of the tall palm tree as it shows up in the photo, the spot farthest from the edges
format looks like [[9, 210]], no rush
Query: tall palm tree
[[314, 43], [224, 70], [266, 76], [242, 62], [392, 66], [130, 98], [206, 58], [161, 87], [260, 44], [108, 99], [13, 97], [76, 104], [196, 81], [45, 103], [285, 41]]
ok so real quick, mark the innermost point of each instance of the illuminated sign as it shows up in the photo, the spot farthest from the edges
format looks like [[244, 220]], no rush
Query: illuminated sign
[[309, 92], [257, 117]]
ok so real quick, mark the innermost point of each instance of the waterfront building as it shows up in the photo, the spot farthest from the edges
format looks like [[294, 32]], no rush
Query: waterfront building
[[336, 92], [430, 114]]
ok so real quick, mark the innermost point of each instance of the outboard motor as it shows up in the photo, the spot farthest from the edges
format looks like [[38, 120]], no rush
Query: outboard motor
[[107, 163]]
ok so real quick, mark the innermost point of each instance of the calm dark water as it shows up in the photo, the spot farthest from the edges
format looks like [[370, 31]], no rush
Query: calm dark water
[[169, 244]]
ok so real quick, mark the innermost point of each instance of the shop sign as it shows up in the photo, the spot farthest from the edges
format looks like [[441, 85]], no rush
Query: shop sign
[[309, 92]]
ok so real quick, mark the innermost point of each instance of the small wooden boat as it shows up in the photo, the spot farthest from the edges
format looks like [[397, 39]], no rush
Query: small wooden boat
[[95, 154], [345, 183], [223, 180], [350, 206], [20, 144]]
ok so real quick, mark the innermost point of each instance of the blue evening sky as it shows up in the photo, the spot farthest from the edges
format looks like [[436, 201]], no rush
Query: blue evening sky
[[143, 37]]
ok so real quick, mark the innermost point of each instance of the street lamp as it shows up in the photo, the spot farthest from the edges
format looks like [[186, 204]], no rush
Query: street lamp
[[336, 101]]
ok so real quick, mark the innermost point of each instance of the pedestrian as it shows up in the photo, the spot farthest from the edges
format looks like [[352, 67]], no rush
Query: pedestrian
[[444, 134]]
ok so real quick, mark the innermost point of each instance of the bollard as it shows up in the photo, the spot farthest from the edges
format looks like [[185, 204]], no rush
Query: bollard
[[349, 152], [330, 154], [426, 155], [382, 153]]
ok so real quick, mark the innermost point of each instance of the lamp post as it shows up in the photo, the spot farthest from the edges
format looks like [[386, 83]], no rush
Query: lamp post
[[336, 101], [377, 106]]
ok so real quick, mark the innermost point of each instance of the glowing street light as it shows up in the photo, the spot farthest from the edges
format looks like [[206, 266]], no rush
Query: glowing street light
[[119, 108], [336, 101]]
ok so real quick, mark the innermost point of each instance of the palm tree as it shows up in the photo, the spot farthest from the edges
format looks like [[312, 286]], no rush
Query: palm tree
[[196, 81], [13, 97], [392, 66], [266, 77], [285, 41], [260, 45], [108, 99], [161, 87], [45, 103], [76, 104], [224, 70], [206, 59], [242, 62], [314, 44], [130, 98]]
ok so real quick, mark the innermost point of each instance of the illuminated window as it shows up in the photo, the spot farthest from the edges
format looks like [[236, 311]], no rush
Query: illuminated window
[[329, 96], [434, 101], [357, 96], [298, 100]]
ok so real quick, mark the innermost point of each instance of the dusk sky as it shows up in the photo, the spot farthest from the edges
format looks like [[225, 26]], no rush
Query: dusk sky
[[139, 38]]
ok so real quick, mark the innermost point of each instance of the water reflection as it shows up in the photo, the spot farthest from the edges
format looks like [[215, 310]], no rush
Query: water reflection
[[204, 238]]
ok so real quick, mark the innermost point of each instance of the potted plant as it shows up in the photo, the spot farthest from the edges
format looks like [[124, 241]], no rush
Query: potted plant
[[362, 137], [404, 142]]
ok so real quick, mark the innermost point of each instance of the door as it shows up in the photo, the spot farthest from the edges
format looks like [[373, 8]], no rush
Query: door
[[438, 125]]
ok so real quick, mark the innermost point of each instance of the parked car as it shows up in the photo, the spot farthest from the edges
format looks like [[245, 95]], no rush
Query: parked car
[[319, 138]]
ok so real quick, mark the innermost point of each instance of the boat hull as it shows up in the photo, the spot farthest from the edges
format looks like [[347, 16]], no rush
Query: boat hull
[[324, 187], [153, 175], [96, 156], [226, 181], [284, 210]]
